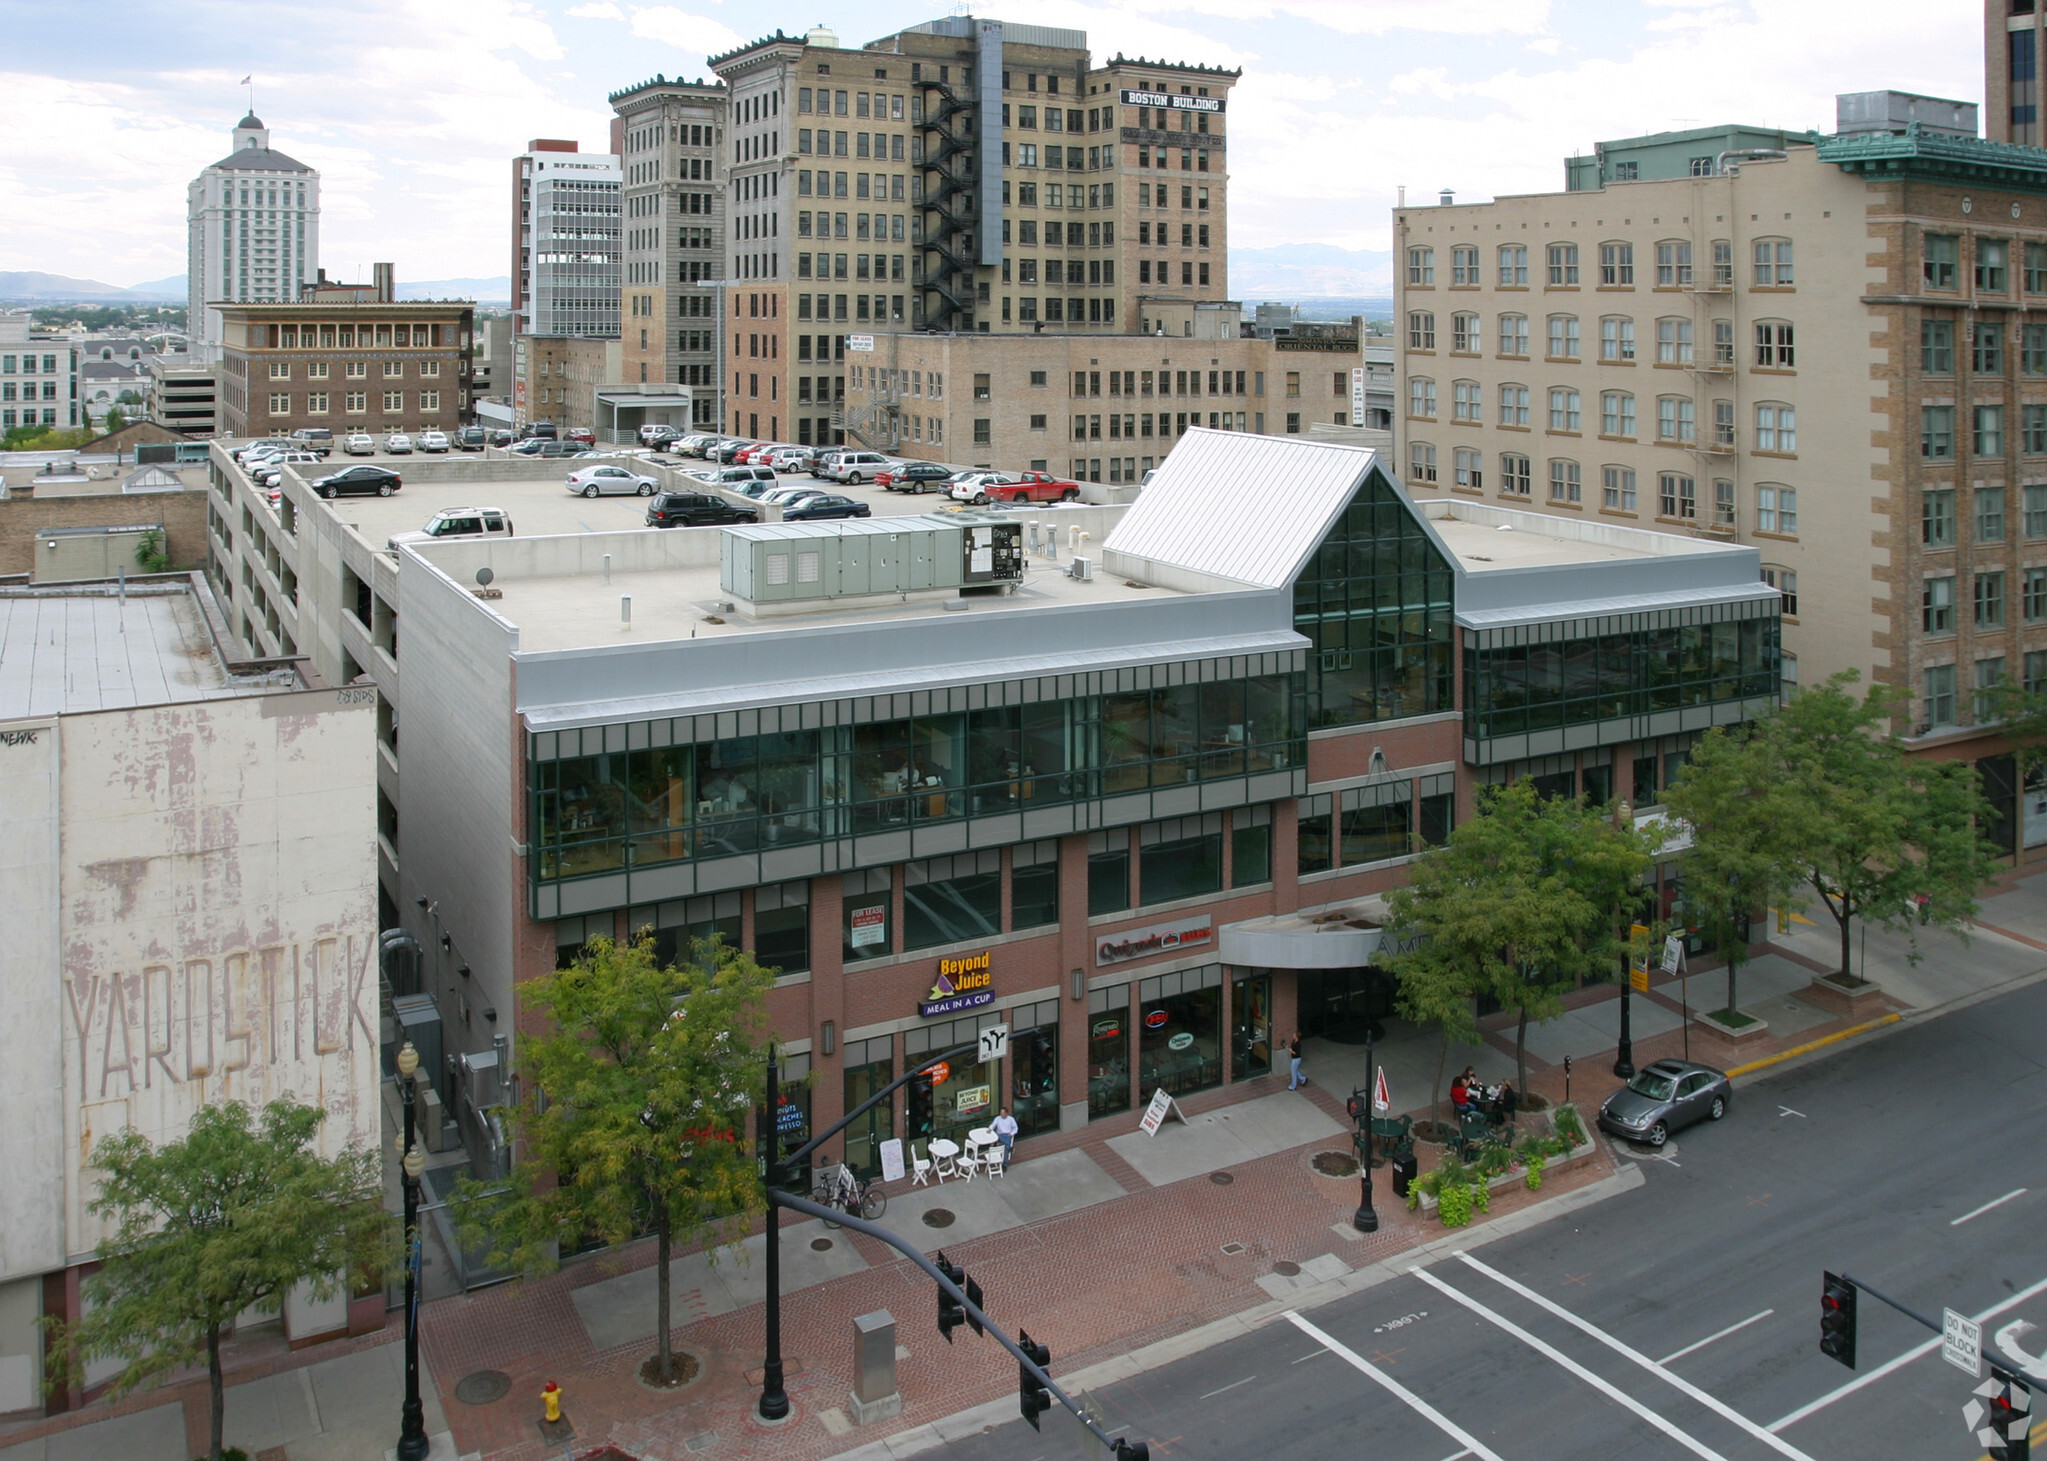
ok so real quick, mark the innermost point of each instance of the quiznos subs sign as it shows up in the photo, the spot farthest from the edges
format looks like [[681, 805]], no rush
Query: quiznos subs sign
[[962, 984], [1160, 938]]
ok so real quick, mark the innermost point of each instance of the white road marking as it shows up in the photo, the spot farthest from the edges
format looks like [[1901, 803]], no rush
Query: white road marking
[[1718, 1407], [1783, 1111], [1610, 1391], [1926, 1346], [1692, 1348], [1458, 1456], [1313, 1354], [1998, 1202], [1231, 1386], [2008, 1340], [1472, 1445]]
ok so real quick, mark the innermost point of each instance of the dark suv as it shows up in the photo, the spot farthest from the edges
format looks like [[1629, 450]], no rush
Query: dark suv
[[695, 509]]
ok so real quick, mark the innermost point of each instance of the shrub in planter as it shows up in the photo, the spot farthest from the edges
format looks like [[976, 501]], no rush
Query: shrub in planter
[[1536, 1162], [1569, 1126]]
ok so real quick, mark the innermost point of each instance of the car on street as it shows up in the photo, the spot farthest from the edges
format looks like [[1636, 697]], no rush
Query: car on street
[[673, 509], [459, 522], [1664, 1096], [610, 480], [823, 505], [1024, 487], [433, 441], [398, 444], [913, 477], [360, 444], [358, 481]]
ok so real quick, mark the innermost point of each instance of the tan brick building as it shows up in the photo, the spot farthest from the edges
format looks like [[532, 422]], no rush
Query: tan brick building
[[351, 366]]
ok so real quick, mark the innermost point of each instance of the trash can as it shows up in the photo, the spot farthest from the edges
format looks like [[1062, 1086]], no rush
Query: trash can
[[1404, 1168]]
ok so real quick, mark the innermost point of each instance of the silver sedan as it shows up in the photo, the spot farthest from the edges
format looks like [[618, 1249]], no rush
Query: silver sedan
[[610, 481]]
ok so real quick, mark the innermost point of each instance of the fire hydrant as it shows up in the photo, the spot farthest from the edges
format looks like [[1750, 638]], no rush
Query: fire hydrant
[[551, 1398]]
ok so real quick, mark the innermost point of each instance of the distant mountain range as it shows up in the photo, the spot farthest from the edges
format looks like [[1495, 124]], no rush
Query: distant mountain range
[[496, 290], [1307, 271], [32, 287]]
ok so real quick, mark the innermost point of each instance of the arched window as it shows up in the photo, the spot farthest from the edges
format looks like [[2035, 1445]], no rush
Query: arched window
[[1776, 508], [1465, 338], [1676, 419], [1616, 414], [1563, 337], [1421, 461], [1772, 263], [1776, 427], [1421, 330], [1566, 481], [1617, 265], [1421, 398], [1466, 403], [1674, 264], [1514, 335], [1513, 266], [1617, 340], [1673, 341], [1564, 410], [1775, 344], [1513, 404]]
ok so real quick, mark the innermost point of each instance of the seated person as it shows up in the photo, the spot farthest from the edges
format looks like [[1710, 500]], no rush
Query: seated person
[[1460, 1095]]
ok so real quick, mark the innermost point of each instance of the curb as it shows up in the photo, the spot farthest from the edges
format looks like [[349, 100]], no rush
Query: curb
[[965, 1423], [1811, 1045]]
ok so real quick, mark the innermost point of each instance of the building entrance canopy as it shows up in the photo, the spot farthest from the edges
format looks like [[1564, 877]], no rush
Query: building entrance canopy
[[1349, 936]]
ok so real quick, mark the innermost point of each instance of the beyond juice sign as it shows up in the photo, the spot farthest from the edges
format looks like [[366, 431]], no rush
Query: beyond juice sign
[[962, 984]]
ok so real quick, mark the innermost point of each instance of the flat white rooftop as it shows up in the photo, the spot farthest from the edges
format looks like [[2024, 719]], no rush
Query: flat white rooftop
[[1489, 547]]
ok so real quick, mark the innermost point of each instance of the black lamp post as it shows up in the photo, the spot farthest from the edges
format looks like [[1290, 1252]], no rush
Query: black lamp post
[[1624, 1056], [1366, 1220], [412, 1441], [774, 1403]]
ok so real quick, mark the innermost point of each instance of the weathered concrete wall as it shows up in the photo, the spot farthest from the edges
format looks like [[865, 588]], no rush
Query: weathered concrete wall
[[182, 515]]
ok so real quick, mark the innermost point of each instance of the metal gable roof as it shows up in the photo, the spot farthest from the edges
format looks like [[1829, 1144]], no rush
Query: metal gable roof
[[1239, 506]]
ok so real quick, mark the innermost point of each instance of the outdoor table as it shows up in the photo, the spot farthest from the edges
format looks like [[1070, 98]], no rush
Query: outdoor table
[[940, 1147]]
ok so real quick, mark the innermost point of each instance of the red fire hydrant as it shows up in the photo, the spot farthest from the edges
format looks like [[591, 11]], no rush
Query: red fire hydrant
[[551, 1398]]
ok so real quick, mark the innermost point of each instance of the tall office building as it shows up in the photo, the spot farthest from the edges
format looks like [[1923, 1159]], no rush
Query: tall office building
[[565, 241], [252, 232], [673, 226], [2012, 36]]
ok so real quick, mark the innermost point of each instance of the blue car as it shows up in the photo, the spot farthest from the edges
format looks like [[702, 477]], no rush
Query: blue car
[[824, 505]]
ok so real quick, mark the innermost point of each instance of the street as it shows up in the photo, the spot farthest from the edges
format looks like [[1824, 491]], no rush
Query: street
[[1683, 1317]]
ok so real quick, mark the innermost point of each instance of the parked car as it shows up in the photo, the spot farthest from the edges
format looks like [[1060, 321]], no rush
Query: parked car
[[738, 477], [542, 429], [471, 438], [316, 439], [359, 444], [727, 451], [784, 496], [824, 505], [693, 445], [792, 458], [1025, 487], [855, 467], [459, 522], [610, 480], [822, 458], [913, 477], [359, 480], [433, 441], [398, 444], [544, 446], [270, 468], [502, 437], [580, 433], [1664, 1096], [760, 453], [657, 433], [673, 509]]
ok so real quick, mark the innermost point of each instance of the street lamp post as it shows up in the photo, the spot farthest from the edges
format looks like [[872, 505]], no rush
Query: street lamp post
[[774, 1399], [412, 1441], [1366, 1220], [1624, 1056]]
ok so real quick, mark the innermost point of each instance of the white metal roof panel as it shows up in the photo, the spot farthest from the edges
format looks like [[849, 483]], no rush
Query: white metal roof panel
[[1551, 613]]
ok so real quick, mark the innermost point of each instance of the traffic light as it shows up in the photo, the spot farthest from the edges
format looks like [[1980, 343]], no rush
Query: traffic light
[[917, 1123], [1132, 1450], [2002, 1416], [1032, 1398], [950, 1314], [973, 1292], [1837, 1319]]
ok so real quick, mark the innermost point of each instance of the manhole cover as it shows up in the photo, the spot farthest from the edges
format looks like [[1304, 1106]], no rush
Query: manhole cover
[[820, 1245], [1221, 1179], [1286, 1269], [1335, 1164], [483, 1387], [1233, 1249], [938, 1217]]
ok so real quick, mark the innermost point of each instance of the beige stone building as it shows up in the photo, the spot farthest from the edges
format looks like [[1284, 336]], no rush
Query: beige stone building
[[1836, 352]]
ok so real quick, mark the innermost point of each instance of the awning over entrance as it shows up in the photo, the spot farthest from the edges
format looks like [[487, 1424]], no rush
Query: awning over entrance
[[1347, 935]]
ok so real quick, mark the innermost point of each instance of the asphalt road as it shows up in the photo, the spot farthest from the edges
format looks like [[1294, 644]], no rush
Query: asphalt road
[[1892, 1160]]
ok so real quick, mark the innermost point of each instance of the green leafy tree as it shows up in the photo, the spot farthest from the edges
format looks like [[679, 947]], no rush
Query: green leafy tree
[[634, 1118], [228, 1218], [1877, 832], [114, 421]]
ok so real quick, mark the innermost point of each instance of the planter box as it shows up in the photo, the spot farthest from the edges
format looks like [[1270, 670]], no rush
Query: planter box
[[1755, 1029], [1519, 1173], [1849, 1002]]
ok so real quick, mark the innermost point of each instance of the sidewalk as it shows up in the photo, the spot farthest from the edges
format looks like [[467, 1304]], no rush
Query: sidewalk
[[1099, 1242]]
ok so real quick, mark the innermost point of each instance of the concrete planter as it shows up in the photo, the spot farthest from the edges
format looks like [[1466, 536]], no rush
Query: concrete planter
[[1519, 1173], [1846, 999], [1754, 1030]]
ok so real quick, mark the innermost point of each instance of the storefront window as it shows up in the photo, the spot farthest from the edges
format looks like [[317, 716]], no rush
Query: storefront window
[[792, 1120], [1250, 846], [1108, 1051], [1108, 871], [866, 918], [1251, 1025], [1034, 1067], [680, 926], [1180, 1043], [963, 1094], [781, 927], [1033, 884], [870, 1065], [1316, 830], [1180, 858], [949, 900]]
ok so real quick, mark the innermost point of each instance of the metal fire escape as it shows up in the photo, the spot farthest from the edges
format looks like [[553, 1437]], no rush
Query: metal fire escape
[[946, 172]]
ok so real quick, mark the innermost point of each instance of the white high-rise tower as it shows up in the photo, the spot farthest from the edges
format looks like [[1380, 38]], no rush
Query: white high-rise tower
[[253, 231]]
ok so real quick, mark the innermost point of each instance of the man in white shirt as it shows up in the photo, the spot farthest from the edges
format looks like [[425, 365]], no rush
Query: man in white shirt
[[1004, 1127]]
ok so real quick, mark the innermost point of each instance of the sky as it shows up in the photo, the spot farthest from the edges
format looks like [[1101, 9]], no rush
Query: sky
[[411, 109]]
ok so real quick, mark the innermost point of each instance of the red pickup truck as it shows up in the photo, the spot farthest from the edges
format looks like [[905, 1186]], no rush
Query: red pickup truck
[[1029, 487]]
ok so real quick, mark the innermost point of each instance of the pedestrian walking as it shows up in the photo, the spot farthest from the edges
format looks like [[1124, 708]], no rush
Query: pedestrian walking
[[1004, 1127], [1293, 1050]]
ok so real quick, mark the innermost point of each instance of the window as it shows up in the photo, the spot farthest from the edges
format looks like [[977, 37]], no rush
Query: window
[[1465, 336], [1776, 509], [1421, 330], [1514, 335], [1943, 252], [1774, 345], [1937, 347], [1421, 397], [1723, 425], [1723, 502], [1617, 489], [1989, 599], [1563, 337], [1617, 414], [1469, 465], [1108, 872], [1627, 172], [1513, 474], [1563, 409], [1465, 402], [1723, 263], [1514, 266], [1673, 265], [2036, 268], [2033, 600], [280, 404], [1936, 431], [1421, 462], [1565, 484], [1937, 606], [1250, 847], [1937, 517], [1617, 265], [1786, 583], [1993, 258], [1989, 433], [1421, 266], [2033, 430], [1990, 514], [1989, 675], [1776, 428], [1986, 349], [1939, 701], [1723, 344], [1563, 265], [2033, 511], [2035, 682], [1513, 405], [1773, 263], [1676, 419], [1673, 342], [2033, 349], [1677, 495], [1181, 858], [1464, 265], [1617, 339]]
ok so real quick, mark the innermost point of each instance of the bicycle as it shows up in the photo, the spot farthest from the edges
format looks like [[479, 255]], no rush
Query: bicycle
[[840, 1189]]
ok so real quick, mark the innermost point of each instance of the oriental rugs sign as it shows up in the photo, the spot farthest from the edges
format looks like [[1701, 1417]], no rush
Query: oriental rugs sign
[[1182, 937], [962, 984]]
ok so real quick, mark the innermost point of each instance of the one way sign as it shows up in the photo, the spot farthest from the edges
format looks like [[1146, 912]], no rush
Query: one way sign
[[994, 1043]]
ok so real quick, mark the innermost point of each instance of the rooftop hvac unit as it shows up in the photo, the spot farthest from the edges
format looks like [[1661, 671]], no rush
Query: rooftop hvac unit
[[1082, 568], [483, 1083]]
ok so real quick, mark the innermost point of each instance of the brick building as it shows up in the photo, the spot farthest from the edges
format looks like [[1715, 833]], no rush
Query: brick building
[[354, 366]]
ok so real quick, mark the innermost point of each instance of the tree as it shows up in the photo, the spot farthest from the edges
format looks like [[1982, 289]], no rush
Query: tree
[[230, 1217], [635, 1110], [114, 421], [1876, 831]]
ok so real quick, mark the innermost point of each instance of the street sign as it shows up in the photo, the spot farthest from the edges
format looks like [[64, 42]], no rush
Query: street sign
[[1638, 978], [1961, 1342], [994, 1043], [1673, 954]]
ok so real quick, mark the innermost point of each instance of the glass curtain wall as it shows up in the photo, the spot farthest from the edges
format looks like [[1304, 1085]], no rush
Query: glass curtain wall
[[680, 925], [1033, 884], [781, 927], [950, 900]]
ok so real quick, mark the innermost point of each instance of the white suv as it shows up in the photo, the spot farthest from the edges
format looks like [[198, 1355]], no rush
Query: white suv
[[459, 522], [854, 467]]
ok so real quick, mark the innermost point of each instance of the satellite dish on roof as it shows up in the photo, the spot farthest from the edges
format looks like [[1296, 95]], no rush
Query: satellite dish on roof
[[484, 576]]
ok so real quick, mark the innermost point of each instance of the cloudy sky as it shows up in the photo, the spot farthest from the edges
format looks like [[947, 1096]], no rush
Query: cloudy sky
[[410, 108]]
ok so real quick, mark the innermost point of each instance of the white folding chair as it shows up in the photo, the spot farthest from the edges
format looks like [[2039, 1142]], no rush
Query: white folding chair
[[920, 1167], [996, 1161]]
